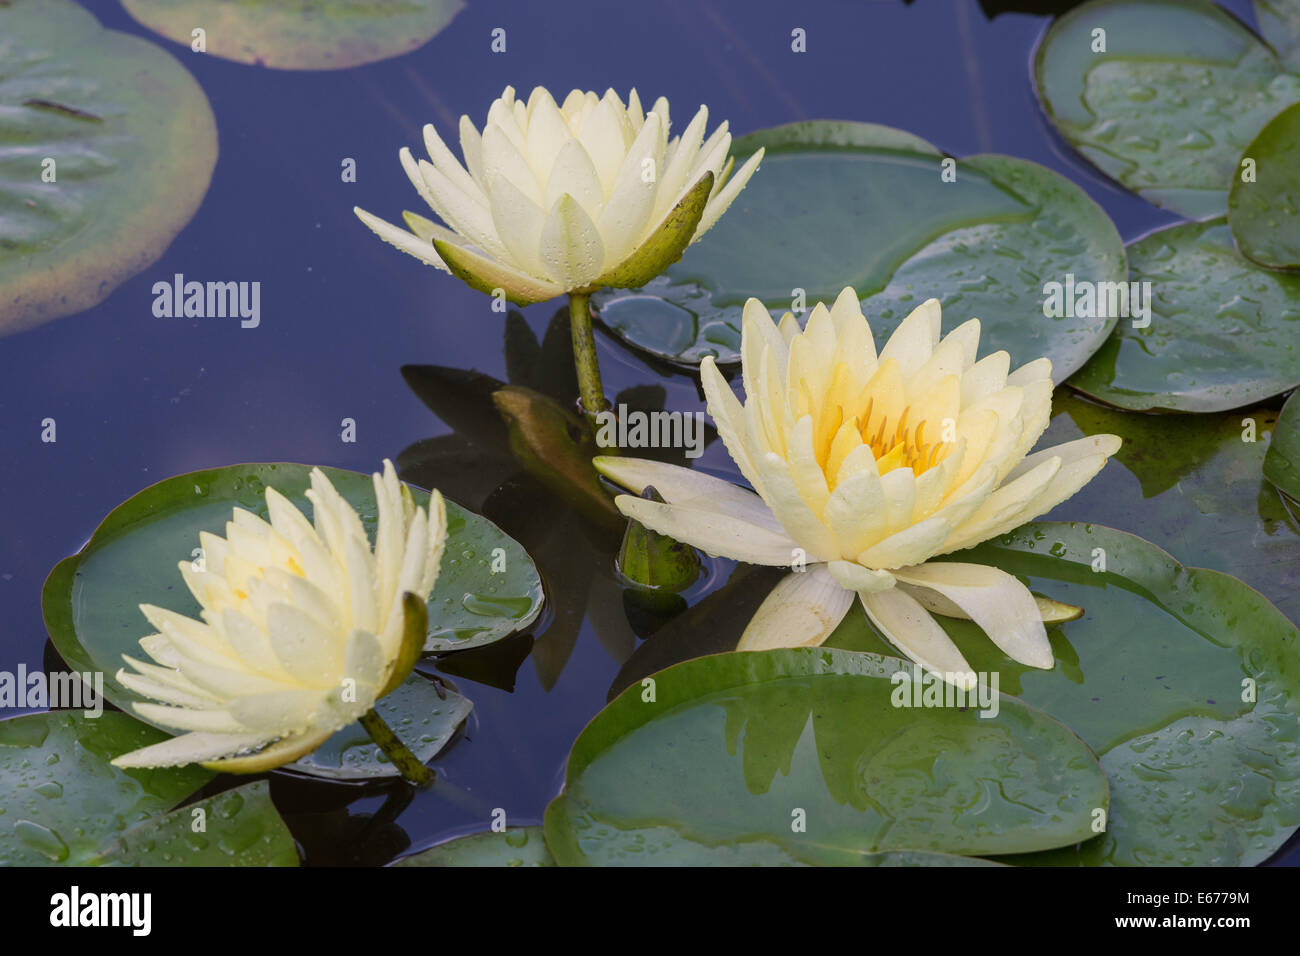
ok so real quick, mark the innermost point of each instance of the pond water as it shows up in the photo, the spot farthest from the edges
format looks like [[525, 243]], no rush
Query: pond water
[[139, 398]]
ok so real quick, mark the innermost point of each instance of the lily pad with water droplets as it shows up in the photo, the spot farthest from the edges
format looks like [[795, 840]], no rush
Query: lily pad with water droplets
[[516, 846], [91, 600], [838, 204], [1184, 680], [299, 34], [239, 827], [425, 719], [1196, 484], [107, 146], [62, 801], [1282, 463], [1223, 332], [800, 756], [1264, 210], [1170, 103]]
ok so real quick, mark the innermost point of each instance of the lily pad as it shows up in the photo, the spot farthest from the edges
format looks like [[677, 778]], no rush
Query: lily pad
[[62, 802], [425, 720], [517, 846], [1195, 483], [799, 756], [1223, 332], [1181, 87], [239, 827], [984, 245], [1282, 462], [1183, 679], [129, 139], [1264, 212], [91, 600], [299, 34]]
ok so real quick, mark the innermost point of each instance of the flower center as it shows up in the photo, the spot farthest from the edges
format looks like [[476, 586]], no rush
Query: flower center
[[901, 446]]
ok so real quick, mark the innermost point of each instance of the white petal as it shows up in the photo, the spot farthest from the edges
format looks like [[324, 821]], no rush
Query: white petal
[[914, 339], [728, 418], [912, 630], [410, 244], [723, 200], [714, 533], [572, 252], [993, 599], [688, 488], [802, 611], [191, 748], [855, 577]]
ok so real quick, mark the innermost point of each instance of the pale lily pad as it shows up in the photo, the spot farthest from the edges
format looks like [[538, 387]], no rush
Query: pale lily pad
[[91, 600], [299, 34], [1181, 87], [516, 846], [838, 204], [1282, 463], [1264, 210], [239, 827], [1183, 679], [107, 147], [1223, 332], [799, 756], [62, 802]]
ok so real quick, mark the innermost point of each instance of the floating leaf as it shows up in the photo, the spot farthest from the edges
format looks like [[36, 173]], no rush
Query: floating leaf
[[299, 34], [1223, 331], [517, 846], [1282, 462], [985, 245], [1194, 482], [62, 802], [729, 754], [1183, 679], [424, 718], [1167, 107], [128, 138], [239, 827], [1264, 210], [91, 600]]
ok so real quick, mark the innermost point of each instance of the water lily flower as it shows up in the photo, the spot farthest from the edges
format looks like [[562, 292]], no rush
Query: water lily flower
[[566, 198], [866, 465], [304, 627], [570, 198]]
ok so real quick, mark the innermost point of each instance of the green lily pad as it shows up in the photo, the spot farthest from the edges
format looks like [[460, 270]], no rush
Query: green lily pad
[[1282, 462], [425, 720], [133, 143], [299, 34], [984, 245], [91, 600], [62, 802], [1195, 483], [517, 846], [239, 827], [1167, 109], [1223, 332], [1264, 213], [1152, 678], [799, 756], [1279, 24]]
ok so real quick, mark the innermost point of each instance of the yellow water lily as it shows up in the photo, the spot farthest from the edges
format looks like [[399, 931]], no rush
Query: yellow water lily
[[303, 628], [566, 198], [866, 465]]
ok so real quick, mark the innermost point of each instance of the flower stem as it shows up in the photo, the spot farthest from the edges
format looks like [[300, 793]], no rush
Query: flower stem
[[584, 357], [402, 758]]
